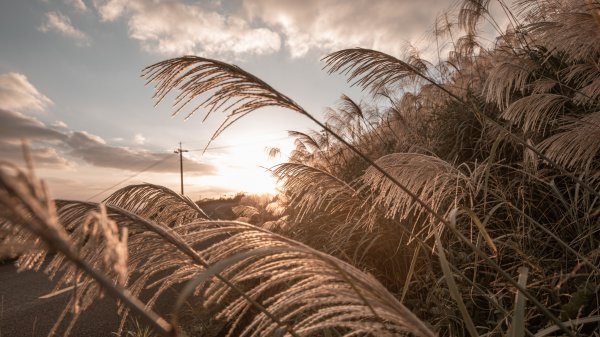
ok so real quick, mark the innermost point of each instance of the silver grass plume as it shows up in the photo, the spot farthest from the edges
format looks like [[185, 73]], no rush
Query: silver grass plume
[[367, 68], [373, 69], [245, 211], [157, 203], [509, 74], [313, 190], [535, 113], [587, 79], [438, 183], [311, 142], [577, 145], [567, 29], [224, 86]]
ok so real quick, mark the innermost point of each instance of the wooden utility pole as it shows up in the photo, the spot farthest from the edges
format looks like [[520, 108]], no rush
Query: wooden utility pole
[[181, 151]]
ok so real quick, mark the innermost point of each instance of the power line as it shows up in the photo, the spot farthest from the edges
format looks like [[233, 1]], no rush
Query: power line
[[131, 176], [238, 145]]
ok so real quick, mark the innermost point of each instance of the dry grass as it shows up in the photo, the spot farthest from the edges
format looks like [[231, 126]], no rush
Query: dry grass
[[472, 193]]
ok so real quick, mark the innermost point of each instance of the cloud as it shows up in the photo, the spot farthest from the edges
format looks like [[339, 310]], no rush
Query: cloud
[[336, 24], [139, 139], [176, 28], [84, 138], [77, 4], [17, 93], [110, 10], [60, 125], [60, 23], [15, 127], [43, 156]]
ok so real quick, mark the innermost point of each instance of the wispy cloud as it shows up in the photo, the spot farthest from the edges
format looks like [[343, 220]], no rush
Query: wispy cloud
[[17, 93], [110, 10], [60, 125], [60, 23], [139, 139], [77, 4]]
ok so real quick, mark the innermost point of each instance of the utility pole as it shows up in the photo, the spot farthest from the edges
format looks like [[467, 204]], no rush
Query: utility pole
[[181, 151]]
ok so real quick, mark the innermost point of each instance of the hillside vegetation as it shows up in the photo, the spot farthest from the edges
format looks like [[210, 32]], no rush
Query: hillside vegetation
[[465, 201]]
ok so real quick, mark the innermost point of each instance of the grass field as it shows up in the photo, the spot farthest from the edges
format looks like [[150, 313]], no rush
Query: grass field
[[465, 201]]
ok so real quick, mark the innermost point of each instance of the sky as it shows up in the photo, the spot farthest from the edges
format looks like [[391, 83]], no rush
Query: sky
[[70, 84]]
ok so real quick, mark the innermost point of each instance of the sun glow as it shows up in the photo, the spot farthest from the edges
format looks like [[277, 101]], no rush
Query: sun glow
[[241, 168]]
